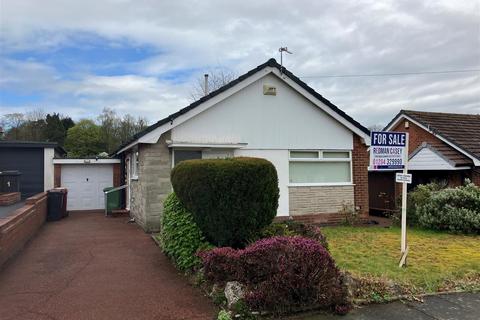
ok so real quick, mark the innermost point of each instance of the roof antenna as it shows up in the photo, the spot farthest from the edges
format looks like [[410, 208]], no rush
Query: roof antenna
[[281, 50]]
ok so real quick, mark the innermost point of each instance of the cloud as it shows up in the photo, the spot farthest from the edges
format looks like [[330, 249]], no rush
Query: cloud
[[187, 37]]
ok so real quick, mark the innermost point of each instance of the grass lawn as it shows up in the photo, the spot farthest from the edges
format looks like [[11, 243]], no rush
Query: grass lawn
[[433, 258]]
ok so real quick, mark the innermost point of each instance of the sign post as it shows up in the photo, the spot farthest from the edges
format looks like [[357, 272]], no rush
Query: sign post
[[389, 151]]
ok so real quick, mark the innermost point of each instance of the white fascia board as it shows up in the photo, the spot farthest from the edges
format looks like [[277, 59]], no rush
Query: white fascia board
[[325, 108], [85, 161], [476, 162]]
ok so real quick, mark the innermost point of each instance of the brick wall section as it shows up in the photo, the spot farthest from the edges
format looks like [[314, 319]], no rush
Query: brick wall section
[[117, 174], [57, 175], [476, 176], [153, 184], [360, 163], [321, 199], [21, 226], [416, 135], [7, 199]]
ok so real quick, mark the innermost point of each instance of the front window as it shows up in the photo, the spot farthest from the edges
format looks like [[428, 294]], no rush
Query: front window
[[182, 155], [320, 167], [135, 164]]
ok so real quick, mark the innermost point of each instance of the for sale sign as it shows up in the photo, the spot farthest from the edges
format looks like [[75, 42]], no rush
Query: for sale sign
[[388, 150]]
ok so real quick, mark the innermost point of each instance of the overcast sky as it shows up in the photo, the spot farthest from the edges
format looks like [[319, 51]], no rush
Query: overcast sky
[[141, 57]]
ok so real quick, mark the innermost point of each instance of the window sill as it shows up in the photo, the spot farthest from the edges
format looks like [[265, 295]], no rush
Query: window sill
[[135, 178], [332, 184]]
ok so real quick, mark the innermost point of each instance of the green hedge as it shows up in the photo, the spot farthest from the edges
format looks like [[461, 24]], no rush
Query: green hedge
[[180, 237], [230, 199], [451, 209]]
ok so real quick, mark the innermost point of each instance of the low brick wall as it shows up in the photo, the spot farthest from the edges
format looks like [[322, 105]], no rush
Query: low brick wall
[[7, 199], [21, 226]]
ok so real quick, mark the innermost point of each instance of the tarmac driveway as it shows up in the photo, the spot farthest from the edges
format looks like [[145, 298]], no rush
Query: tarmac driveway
[[91, 267]]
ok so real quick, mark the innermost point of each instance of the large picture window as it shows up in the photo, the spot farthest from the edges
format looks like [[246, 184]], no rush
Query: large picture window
[[320, 167]]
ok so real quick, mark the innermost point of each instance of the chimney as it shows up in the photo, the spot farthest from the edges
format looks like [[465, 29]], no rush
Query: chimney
[[205, 86]]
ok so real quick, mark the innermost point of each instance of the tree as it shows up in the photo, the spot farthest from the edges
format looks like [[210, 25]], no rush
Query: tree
[[84, 140], [54, 130], [217, 78], [11, 123]]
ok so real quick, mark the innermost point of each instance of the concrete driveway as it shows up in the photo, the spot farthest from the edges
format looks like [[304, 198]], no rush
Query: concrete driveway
[[91, 267], [5, 211]]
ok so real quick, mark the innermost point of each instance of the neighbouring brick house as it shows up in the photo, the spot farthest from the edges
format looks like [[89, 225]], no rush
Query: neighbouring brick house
[[320, 152], [442, 147]]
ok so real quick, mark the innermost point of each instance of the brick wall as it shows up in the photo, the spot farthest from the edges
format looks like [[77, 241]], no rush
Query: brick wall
[[416, 135], [153, 184], [22, 225], [476, 176], [319, 200], [360, 163], [7, 199], [117, 175]]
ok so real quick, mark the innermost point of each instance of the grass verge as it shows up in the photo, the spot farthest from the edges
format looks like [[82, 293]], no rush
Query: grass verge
[[436, 262]]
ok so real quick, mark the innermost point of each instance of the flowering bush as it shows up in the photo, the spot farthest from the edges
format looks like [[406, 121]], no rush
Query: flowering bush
[[281, 274]]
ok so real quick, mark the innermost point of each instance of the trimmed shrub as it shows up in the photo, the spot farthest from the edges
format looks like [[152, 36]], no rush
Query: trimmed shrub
[[453, 209], [230, 199], [180, 237], [281, 274], [416, 199]]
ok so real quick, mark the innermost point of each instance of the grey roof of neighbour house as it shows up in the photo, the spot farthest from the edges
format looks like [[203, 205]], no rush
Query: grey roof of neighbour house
[[31, 144], [461, 130], [270, 63]]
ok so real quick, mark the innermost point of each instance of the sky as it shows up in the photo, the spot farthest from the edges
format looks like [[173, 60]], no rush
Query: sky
[[143, 56]]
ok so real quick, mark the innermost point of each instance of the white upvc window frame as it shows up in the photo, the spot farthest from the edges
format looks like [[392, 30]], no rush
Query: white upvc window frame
[[134, 164], [320, 158]]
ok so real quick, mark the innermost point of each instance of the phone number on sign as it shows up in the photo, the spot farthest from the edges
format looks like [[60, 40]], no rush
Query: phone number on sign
[[387, 162]]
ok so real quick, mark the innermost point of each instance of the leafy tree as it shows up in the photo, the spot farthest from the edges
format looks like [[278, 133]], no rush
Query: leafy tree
[[84, 139], [54, 130]]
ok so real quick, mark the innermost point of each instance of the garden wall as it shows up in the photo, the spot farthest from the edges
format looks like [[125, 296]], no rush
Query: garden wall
[[19, 227]]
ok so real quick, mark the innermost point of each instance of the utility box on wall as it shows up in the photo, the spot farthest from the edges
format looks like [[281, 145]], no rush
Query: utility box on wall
[[269, 90]]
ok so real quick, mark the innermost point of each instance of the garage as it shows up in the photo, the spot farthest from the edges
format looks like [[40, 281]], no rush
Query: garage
[[85, 180], [34, 162]]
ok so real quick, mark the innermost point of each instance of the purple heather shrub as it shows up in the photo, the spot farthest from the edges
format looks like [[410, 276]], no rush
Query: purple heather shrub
[[281, 274]]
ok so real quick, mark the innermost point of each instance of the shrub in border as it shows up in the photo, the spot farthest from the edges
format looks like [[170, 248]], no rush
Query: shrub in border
[[230, 199], [452, 209], [180, 237], [282, 274]]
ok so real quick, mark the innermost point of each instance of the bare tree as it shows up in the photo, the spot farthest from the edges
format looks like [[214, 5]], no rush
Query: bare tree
[[217, 78], [376, 127]]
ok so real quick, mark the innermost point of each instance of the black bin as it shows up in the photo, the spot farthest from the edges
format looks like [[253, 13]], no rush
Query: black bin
[[57, 204]]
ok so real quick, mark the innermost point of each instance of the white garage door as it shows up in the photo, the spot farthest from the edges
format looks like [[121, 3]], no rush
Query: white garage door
[[85, 185]]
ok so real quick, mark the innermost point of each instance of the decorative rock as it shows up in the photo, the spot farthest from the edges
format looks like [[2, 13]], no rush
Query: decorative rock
[[234, 292]]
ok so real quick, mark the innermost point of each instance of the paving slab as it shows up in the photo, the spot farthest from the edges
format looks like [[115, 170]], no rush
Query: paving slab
[[88, 266]]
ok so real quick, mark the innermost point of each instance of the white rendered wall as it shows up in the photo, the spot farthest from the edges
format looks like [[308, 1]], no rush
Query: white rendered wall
[[48, 175], [284, 121], [279, 158]]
